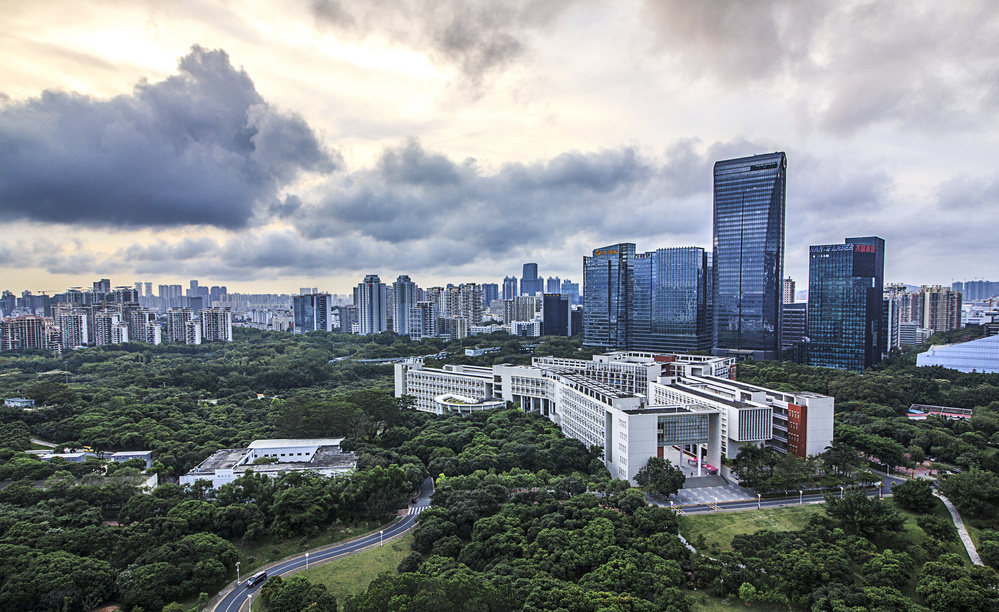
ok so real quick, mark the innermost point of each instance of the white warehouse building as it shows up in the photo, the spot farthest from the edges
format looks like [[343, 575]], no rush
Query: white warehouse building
[[321, 455]]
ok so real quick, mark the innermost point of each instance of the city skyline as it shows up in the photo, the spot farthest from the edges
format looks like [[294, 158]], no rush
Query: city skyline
[[278, 146]]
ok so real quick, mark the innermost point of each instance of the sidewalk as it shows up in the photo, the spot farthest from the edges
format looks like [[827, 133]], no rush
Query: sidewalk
[[961, 530]]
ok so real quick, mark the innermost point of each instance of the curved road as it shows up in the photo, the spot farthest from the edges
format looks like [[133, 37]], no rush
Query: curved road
[[235, 600]]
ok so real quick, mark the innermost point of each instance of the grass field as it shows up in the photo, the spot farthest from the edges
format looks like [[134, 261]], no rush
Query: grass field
[[718, 529], [254, 555], [351, 575], [919, 536], [706, 603]]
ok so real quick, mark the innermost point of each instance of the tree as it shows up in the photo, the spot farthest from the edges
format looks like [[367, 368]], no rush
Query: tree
[[864, 515], [975, 491], [915, 495], [660, 477], [938, 528], [297, 594]]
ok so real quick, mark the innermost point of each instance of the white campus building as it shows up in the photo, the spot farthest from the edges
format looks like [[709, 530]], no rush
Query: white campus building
[[635, 405], [322, 455]]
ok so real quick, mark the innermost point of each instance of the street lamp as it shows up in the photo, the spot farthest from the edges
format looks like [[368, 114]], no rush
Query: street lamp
[[237, 573], [306, 560], [841, 492], [801, 495], [879, 490], [249, 598], [380, 538], [759, 501]]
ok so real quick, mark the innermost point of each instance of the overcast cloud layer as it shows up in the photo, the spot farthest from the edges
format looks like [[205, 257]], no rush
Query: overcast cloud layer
[[310, 144]]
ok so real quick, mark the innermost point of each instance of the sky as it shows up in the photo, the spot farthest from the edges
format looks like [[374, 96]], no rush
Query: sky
[[271, 145]]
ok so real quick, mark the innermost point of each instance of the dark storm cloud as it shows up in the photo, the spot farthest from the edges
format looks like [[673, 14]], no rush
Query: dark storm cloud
[[845, 65], [421, 205], [478, 37], [201, 147]]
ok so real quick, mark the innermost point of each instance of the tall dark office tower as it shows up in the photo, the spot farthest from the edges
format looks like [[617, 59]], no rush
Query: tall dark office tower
[[845, 294], [510, 287], [490, 293], [749, 255], [672, 301], [404, 298], [530, 284], [556, 315], [608, 295]]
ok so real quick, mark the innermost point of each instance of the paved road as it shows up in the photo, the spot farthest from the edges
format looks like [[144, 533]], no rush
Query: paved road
[[235, 600]]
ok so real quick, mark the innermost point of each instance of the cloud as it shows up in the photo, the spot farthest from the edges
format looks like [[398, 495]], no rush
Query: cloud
[[199, 148], [415, 195], [845, 65], [477, 37]]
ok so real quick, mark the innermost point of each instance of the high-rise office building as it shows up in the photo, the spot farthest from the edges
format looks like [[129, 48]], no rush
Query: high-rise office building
[[794, 323], [845, 296], [788, 293], [404, 298], [149, 289], [556, 315], [553, 285], [312, 312], [608, 294], [671, 303], [570, 289], [510, 288], [490, 293], [370, 297], [749, 201], [530, 283]]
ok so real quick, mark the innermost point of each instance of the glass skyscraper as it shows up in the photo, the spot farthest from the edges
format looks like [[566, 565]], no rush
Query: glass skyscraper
[[672, 301], [748, 257], [608, 295], [845, 294], [530, 284]]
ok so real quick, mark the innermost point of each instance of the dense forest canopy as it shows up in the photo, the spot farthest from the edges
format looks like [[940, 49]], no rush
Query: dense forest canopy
[[523, 518]]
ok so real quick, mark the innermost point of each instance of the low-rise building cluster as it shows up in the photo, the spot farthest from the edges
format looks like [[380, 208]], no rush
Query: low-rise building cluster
[[634, 405]]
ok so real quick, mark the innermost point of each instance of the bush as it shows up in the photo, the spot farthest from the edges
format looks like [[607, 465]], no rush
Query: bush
[[410, 563], [915, 495]]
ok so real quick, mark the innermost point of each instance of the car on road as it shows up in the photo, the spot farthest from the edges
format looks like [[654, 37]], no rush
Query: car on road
[[256, 579]]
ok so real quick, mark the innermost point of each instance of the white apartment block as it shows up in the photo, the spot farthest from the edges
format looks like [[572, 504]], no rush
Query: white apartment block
[[634, 405], [216, 325]]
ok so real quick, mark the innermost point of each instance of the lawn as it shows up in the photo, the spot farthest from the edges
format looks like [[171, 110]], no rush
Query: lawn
[[351, 575], [708, 603], [718, 529], [254, 555], [919, 536]]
